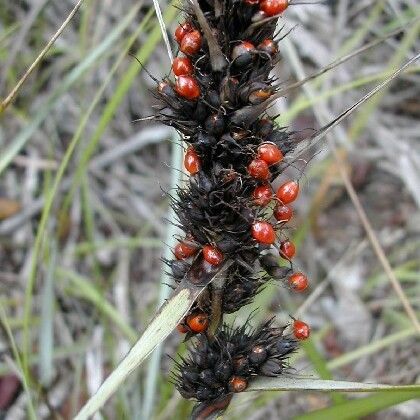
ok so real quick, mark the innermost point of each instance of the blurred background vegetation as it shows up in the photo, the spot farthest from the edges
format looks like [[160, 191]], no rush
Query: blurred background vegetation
[[84, 219]]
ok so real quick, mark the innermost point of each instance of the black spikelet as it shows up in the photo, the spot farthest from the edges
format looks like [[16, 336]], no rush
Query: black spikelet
[[217, 368]]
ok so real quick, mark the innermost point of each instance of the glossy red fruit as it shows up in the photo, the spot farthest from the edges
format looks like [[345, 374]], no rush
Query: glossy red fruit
[[182, 30], [182, 66], [263, 232], [237, 384], [287, 250], [298, 282], [258, 169], [288, 192], [198, 322], [262, 195], [273, 7], [268, 46], [270, 153], [183, 250], [283, 213], [182, 328], [243, 48], [191, 42], [212, 255], [187, 87], [192, 161], [301, 330]]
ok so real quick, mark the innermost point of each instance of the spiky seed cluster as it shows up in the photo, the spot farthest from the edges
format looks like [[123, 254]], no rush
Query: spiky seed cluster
[[217, 100], [219, 367]]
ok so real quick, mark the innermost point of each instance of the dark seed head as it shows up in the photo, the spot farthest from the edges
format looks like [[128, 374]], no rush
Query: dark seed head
[[270, 368]]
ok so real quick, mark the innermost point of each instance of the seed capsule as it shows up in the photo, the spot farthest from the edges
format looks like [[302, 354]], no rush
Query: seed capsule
[[191, 42], [287, 250], [184, 250], [198, 322], [260, 95], [182, 66], [258, 355], [243, 48], [212, 255], [263, 233], [214, 124], [270, 153], [283, 213], [285, 346], [301, 330], [262, 195], [268, 46], [258, 169], [271, 368], [237, 384], [182, 30], [192, 161], [187, 87], [288, 192], [273, 7], [298, 281]]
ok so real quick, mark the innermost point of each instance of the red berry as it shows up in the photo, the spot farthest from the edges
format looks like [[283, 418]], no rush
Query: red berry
[[191, 42], [262, 195], [182, 328], [263, 233], [182, 66], [198, 322], [301, 330], [212, 255], [243, 48], [258, 169], [287, 250], [187, 87], [288, 192], [182, 30], [283, 213], [237, 384], [268, 46], [298, 281], [270, 153], [183, 250], [274, 7], [192, 161]]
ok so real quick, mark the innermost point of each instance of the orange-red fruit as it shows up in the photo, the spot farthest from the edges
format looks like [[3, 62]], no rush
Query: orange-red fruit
[[274, 7], [263, 232], [242, 48], [268, 46], [198, 322], [258, 169], [262, 195], [182, 328], [192, 161], [191, 42], [212, 255], [298, 282], [184, 250], [182, 66], [283, 213], [288, 192], [237, 384], [182, 30], [270, 153], [187, 87], [287, 250], [301, 330]]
